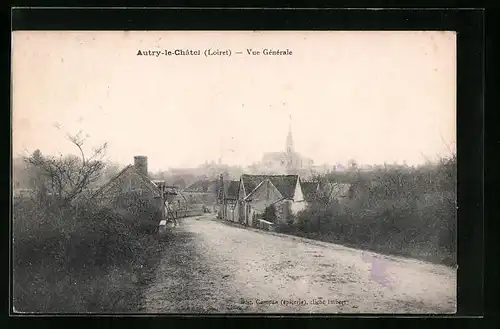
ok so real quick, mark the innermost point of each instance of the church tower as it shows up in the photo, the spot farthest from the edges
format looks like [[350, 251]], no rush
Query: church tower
[[289, 150]]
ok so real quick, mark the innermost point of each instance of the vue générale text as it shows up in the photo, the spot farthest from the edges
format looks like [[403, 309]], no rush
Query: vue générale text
[[210, 52]]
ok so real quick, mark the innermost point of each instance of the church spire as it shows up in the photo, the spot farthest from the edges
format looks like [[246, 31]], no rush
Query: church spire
[[289, 139]]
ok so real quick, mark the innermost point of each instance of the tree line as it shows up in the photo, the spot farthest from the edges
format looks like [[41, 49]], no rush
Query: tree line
[[404, 210]]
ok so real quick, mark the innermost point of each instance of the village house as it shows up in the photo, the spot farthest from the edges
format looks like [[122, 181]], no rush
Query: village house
[[280, 195], [202, 192], [174, 196], [267, 200], [227, 199], [174, 199], [132, 189]]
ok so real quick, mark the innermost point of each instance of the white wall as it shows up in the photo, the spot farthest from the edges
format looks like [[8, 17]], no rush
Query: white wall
[[298, 196], [298, 206], [298, 203]]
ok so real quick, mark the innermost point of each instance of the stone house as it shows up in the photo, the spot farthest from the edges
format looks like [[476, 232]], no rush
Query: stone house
[[132, 191], [227, 199], [282, 193], [174, 198], [202, 192], [173, 195]]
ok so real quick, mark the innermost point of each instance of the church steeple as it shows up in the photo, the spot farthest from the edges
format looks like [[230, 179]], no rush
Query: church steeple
[[289, 139]]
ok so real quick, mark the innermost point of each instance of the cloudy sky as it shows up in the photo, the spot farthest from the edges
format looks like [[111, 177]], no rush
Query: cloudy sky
[[372, 96]]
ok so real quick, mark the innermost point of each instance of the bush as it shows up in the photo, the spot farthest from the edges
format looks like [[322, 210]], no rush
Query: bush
[[270, 214], [285, 228], [77, 260], [418, 220]]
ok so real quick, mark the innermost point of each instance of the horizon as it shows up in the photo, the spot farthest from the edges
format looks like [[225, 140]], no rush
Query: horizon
[[340, 166], [373, 97]]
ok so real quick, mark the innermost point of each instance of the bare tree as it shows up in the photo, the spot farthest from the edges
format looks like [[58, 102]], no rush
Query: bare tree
[[63, 178]]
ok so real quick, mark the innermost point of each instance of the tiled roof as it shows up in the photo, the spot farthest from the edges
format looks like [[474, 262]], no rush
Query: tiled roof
[[150, 184], [309, 190], [250, 182], [284, 183]]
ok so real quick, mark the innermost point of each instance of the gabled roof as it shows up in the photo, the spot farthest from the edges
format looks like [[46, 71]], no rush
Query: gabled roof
[[249, 197], [284, 183], [309, 189], [202, 186], [147, 182]]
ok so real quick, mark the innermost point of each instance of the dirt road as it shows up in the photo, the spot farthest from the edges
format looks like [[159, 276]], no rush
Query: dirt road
[[213, 267]]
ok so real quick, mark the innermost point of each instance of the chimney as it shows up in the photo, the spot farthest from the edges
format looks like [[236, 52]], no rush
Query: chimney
[[141, 164]]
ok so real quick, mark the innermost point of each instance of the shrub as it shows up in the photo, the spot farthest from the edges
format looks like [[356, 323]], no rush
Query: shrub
[[71, 260], [285, 228], [270, 214], [410, 212]]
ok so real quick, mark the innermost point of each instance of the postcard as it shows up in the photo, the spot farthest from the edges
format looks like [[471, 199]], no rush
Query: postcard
[[235, 172]]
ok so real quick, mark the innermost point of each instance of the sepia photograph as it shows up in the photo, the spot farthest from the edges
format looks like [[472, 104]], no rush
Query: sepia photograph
[[234, 172]]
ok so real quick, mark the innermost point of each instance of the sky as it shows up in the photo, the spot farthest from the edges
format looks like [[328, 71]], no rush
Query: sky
[[370, 96]]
